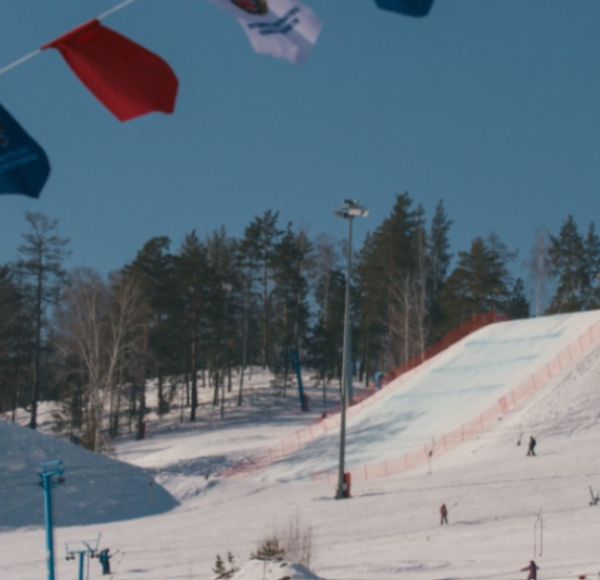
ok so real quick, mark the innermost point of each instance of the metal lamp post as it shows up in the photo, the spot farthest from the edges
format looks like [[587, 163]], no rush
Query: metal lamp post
[[349, 211]]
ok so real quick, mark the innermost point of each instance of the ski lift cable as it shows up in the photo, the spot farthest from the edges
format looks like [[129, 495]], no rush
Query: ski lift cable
[[112, 471], [115, 474], [15, 476], [18, 485]]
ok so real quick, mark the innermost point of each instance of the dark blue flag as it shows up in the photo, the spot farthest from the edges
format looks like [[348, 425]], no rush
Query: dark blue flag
[[24, 166], [407, 7]]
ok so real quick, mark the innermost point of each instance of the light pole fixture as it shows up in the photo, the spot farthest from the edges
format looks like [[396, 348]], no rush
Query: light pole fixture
[[349, 211]]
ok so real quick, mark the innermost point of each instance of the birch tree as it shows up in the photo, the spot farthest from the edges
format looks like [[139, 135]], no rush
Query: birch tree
[[100, 326]]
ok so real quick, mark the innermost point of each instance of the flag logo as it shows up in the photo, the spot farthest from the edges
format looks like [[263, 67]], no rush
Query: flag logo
[[24, 166], [257, 7], [281, 28]]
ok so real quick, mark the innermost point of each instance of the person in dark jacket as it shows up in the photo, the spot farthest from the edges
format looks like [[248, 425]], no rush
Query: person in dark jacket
[[443, 514], [104, 558], [532, 442], [532, 569]]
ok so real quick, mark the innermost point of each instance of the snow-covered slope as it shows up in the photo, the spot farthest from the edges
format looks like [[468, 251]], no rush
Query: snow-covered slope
[[450, 390], [96, 489], [505, 507]]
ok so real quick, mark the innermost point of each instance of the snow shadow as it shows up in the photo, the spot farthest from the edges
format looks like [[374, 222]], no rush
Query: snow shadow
[[96, 489]]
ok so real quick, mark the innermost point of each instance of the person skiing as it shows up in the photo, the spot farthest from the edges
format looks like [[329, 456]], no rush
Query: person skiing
[[443, 514], [532, 569], [532, 442], [104, 558]]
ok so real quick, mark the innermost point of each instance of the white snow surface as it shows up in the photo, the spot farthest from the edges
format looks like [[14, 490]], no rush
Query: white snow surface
[[505, 508]]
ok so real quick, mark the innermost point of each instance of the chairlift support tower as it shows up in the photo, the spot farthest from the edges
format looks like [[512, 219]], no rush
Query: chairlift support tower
[[82, 550], [50, 469]]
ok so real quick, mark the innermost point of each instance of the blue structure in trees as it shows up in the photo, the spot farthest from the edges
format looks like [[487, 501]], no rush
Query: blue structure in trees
[[303, 398], [50, 469]]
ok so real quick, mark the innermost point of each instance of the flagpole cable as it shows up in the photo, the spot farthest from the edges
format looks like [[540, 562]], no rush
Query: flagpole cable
[[36, 52], [20, 61], [118, 7]]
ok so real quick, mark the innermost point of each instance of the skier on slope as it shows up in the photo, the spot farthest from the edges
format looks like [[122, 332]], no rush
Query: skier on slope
[[443, 514], [532, 569], [532, 442]]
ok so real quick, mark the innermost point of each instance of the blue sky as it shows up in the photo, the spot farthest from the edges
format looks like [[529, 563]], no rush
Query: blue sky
[[490, 105]]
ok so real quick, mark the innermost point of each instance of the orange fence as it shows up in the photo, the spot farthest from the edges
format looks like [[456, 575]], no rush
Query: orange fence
[[359, 401], [484, 420]]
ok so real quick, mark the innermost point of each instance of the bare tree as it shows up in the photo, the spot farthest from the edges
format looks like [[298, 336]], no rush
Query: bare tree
[[326, 260], [539, 271], [406, 320], [101, 328], [402, 295]]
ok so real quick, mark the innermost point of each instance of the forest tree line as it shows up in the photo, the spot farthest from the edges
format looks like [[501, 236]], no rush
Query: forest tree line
[[191, 315]]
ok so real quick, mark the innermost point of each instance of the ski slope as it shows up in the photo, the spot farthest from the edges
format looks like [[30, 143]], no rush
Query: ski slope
[[436, 399], [388, 530]]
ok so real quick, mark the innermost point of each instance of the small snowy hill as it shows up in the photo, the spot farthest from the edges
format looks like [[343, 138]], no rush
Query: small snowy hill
[[273, 570], [96, 489]]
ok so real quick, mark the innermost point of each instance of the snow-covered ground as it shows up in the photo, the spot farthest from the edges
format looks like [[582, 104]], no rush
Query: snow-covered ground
[[505, 508]]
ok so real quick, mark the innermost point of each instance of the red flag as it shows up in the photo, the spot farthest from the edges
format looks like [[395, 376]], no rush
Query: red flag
[[127, 79]]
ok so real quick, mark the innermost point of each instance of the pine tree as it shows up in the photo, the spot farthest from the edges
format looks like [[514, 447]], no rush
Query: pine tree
[[192, 274], [324, 278], [392, 273], [219, 568], [271, 548], [592, 265], [224, 291], [41, 260], [154, 268], [256, 252], [567, 262], [289, 300], [481, 282], [15, 335], [370, 334], [517, 305], [439, 258]]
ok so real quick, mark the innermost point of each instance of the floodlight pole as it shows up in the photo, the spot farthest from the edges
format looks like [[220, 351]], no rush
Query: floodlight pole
[[49, 470], [349, 211]]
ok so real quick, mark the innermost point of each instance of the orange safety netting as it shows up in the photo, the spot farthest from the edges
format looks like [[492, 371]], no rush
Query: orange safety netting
[[358, 402]]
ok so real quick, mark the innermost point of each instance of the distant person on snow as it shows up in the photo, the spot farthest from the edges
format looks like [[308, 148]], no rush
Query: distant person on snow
[[443, 514], [532, 442], [104, 558], [532, 569]]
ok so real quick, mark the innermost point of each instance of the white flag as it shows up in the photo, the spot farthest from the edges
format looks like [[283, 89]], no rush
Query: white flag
[[281, 28]]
